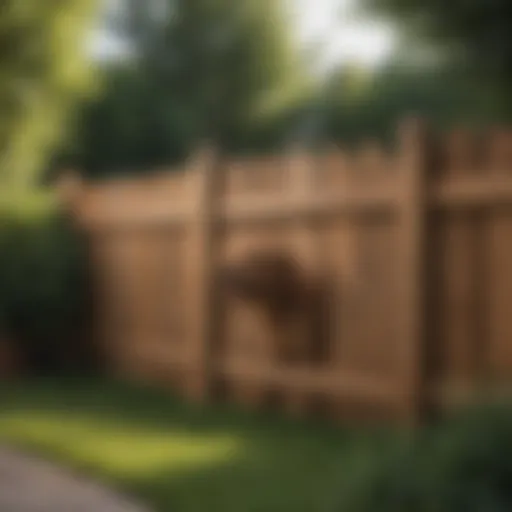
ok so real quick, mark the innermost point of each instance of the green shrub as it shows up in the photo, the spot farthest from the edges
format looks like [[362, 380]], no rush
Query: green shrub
[[463, 465], [43, 281]]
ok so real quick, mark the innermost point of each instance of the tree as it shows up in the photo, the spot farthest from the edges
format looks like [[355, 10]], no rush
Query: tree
[[475, 34], [218, 69], [360, 104], [224, 60], [43, 71], [128, 128]]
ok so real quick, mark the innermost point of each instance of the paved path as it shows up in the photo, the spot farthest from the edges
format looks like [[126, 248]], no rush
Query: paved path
[[31, 485]]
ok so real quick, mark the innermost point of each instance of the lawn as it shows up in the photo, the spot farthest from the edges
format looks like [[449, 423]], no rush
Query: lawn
[[177, 457]]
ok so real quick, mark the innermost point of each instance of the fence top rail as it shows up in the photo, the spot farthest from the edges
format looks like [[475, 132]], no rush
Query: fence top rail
[[466, 169]]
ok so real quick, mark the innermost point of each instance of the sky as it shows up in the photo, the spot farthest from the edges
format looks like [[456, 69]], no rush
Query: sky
[[344, 35], [333, 24]]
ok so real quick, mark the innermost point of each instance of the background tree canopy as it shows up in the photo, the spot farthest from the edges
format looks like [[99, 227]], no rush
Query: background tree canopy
[[475, 34], [225, 70], [232, 72]]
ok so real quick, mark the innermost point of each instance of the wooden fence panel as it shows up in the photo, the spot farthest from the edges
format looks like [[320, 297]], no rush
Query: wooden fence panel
[[470, 267], [412, 249]]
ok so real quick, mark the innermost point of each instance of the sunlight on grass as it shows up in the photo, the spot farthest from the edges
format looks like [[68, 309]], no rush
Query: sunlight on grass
[[121, 449], [174, 456]]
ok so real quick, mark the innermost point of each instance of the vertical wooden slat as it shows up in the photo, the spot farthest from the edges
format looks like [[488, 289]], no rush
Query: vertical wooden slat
[[499, 342], [305, 247], [460, 287], [412, 164], [201, 265]]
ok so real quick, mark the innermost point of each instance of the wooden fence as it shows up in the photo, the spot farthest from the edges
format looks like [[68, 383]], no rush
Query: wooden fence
[[414, 243]]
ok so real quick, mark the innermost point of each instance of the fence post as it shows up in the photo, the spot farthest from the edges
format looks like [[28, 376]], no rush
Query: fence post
[[301, 168], [413, 168], [201, 263]]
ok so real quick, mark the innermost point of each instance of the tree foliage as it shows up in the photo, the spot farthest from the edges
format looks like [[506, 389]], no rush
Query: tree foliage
[[228, 70], [223, 60], [44, 294], [475, 33], [43, 69], [218, 69], [360, 105], [461, 465]]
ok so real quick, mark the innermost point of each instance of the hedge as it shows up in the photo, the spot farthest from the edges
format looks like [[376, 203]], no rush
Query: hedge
[[44, 295], [462, 465]]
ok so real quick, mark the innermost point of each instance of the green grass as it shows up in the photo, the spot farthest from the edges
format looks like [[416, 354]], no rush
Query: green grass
[[177, 457]]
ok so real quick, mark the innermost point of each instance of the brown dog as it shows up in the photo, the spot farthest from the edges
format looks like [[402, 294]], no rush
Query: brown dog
[[293, 302]]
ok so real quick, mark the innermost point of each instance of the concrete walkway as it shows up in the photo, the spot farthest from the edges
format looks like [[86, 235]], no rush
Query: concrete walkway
[[28, 484]]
